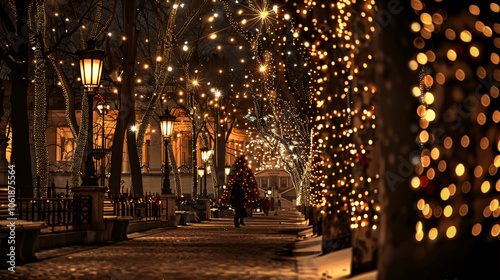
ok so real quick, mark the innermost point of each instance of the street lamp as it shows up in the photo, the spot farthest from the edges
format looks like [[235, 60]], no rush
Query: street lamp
[[201, 173], [167, 127], [91, 61], [227, 170], [205, 153], [103, 109]]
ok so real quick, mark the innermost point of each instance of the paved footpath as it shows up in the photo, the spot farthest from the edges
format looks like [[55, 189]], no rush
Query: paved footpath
[[209, 250]]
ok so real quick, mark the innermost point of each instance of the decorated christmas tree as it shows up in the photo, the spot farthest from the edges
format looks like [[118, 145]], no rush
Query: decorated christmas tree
[[241, 172]]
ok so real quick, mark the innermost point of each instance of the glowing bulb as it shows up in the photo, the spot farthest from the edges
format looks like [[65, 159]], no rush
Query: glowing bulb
[[263, 14]]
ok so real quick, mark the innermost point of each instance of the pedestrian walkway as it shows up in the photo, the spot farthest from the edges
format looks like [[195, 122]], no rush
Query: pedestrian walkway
[[209, 250]]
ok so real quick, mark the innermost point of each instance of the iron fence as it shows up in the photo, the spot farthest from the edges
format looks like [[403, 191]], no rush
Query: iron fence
[[57, 213], [140, 210], [146, 208]]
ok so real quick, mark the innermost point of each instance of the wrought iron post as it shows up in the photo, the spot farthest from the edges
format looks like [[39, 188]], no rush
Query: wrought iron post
[[166, 180], [89, 179]]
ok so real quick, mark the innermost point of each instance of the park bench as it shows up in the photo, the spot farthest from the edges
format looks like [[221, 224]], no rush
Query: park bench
[[186, 217], [116, 226], [26, 233], [25, 236]]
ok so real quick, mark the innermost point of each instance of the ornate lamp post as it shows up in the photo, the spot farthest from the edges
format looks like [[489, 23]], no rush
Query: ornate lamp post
[[91, 61], [201, 173], [167, 128], [205, 153], [103, 109], [227, 171]]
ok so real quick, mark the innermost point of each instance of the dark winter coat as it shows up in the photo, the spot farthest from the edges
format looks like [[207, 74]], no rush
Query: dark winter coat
[[238, 200]]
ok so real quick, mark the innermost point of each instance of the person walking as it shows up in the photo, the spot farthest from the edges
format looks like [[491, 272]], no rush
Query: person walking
[[266, 206], [238, 202]]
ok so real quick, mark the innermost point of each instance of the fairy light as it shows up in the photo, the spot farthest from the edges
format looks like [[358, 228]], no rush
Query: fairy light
[[40, 123], [446, 172], [284, 121], [344, 182]]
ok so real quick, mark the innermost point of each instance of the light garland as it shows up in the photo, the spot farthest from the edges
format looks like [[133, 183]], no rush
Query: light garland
[[457, 172], [40, 123], [274, 117], [345, 173]]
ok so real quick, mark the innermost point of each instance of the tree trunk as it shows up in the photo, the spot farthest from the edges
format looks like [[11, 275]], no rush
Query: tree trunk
[[69, 95], [21, 156], [194, 156], [129, 56], [220, 156], [81, 142], [126, 115], [397, 245], [40, 111], [117, 151], [175, 170]]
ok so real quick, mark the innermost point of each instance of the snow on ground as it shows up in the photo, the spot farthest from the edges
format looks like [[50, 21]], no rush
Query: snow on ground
[[335, 265]]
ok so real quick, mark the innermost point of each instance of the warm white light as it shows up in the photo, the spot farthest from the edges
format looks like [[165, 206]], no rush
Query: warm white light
[[201, 171], [263, 14], [167, 124], [205, 153], [91, 62]]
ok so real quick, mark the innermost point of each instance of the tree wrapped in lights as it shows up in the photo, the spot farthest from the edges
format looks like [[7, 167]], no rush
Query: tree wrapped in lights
[[166, 46], [456, 156], [40, 122], [338, 37], [264, 155], [280, 90], [241, 171], [54, 31]]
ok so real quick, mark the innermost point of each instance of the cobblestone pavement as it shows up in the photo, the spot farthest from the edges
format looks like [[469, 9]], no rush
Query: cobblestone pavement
[[207, 250]]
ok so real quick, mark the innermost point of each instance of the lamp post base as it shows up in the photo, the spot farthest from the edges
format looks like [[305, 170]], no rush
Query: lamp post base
[[205, 213], [166, 190], [167, 210], [90, 181], [96, 215]]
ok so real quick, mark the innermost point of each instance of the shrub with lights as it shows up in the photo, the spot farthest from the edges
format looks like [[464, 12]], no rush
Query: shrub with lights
[[241, 171]]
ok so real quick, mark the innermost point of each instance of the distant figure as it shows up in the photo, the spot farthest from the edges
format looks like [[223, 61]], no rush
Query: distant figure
[[238, 202], [266, 206]]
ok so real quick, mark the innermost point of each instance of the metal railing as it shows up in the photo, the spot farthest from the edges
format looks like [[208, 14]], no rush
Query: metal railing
[[146, 208], [58, 213]]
